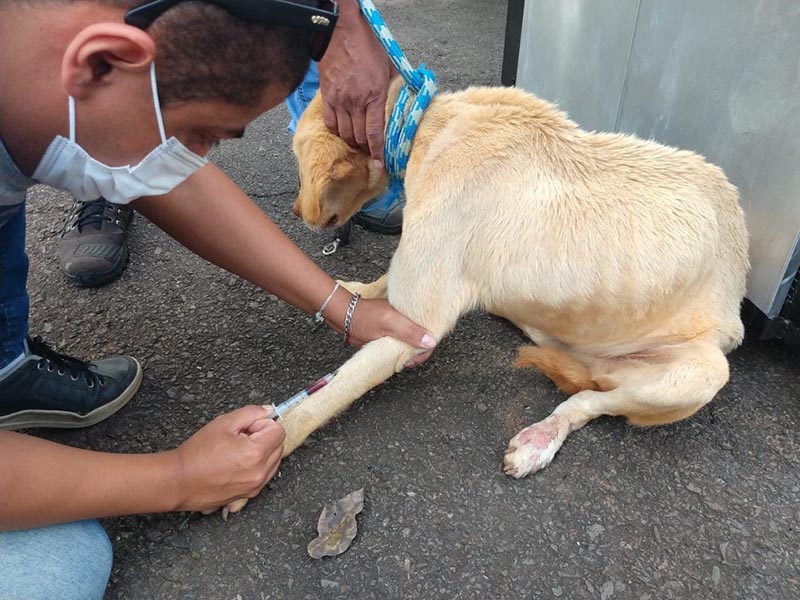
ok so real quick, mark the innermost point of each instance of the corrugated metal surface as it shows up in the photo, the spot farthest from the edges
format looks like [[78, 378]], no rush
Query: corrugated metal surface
[[721, 77]]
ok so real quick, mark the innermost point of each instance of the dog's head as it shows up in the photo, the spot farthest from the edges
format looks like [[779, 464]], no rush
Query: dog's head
[[335, 179]]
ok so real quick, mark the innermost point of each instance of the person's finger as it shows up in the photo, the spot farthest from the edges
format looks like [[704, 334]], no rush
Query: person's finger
[[345, 127], [418, 358], [270, 435], [375, 126], [275, 463], [243, 418], [329, 116], [260, 423], [360, 129]]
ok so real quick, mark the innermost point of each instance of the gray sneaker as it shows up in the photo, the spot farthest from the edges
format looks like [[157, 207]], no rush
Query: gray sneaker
[[382, 215], [94, 244]]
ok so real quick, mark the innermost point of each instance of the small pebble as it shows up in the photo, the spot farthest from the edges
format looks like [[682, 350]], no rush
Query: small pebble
[[607, 591], [328, 583]]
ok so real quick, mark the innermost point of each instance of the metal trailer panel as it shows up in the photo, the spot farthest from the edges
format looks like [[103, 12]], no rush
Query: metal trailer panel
[[575, 52], [721, 77]]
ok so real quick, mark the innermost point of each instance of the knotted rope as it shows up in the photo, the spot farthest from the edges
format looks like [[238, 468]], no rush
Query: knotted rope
[[419, 83]]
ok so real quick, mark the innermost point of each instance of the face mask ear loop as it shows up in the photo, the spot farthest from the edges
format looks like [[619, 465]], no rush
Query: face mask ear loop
[[157, 103], [71, 104]]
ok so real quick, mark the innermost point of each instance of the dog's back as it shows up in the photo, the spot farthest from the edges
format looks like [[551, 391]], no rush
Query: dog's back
[[597, 240]]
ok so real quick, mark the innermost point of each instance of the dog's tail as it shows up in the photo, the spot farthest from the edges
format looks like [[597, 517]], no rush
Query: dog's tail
[[569, 374]]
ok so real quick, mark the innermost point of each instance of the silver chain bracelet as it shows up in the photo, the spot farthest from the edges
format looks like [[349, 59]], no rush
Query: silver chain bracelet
[[348, 317]]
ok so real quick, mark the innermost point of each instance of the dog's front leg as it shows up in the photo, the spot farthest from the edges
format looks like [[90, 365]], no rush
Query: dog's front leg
[[377, 289], [367, 368]]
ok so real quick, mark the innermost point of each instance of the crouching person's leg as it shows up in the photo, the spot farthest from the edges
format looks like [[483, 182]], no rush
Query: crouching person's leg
[[69, 561]]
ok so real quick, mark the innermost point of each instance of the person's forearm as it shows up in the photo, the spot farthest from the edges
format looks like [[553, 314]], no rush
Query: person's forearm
[[213, 217], [42, 483]]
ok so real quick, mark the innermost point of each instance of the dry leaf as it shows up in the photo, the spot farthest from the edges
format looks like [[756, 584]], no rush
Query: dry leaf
[[337, 525]]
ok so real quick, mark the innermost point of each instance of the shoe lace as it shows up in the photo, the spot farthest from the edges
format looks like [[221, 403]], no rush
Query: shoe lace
[[94, 213], [62, 364]]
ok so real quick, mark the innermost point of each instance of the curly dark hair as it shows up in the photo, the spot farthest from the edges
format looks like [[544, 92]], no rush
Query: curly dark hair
[[205, 53]]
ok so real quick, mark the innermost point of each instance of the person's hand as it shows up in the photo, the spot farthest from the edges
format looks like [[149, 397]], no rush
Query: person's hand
[[375, 319], [232, 457], [354, 77]]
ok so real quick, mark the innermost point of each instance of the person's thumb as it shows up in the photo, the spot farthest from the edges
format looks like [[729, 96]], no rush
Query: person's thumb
[[414, 335]]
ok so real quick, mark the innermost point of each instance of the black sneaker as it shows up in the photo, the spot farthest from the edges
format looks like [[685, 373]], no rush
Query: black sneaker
[[48, 389], [94, 244]]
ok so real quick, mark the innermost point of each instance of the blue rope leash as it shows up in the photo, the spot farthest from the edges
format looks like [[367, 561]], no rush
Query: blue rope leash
[[403, 123]]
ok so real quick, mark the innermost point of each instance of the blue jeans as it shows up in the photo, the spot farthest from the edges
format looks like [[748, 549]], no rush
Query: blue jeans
[[302, 96], [13, 278], [63, 562]]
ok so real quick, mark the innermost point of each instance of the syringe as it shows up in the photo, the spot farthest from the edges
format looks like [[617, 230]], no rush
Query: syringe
[[302, 395]]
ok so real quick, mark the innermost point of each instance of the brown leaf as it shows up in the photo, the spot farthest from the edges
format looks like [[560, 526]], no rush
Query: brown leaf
[[337, 525]]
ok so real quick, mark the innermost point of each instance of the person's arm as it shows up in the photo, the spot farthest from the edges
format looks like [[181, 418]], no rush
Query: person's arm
[[354, 77], [43, 483], [213, 217]]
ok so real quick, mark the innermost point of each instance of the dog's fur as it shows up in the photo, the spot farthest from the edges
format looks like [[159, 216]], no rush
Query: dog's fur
[[624, 260]]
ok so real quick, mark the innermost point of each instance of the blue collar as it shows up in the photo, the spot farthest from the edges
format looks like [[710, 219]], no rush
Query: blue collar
[[419, 83]]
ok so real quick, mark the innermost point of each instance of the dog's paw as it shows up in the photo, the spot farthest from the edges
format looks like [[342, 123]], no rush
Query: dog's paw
[[370, 291], [535, 446], [233, 508], [354, 287]]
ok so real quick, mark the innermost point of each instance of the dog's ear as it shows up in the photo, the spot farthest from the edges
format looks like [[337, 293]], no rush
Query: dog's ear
[[341, 169]]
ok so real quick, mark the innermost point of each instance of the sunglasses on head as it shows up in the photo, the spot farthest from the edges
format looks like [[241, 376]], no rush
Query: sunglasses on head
[[319, 20]]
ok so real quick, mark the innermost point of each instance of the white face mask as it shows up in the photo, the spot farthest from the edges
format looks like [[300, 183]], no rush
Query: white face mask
[[67, 166]]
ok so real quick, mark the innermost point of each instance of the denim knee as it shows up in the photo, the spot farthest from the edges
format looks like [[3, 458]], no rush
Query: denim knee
[[300, 98], [13, 280], [69, 561]]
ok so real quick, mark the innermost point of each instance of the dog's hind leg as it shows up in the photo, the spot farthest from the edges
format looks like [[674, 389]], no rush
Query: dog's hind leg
[[673, 387], [568, 373]]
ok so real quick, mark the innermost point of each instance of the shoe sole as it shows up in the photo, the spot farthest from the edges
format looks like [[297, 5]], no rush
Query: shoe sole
[[376, 227], [56, 419], [90, 279]]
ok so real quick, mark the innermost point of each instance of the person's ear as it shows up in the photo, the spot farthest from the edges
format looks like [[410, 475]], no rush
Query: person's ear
[[99, 49]]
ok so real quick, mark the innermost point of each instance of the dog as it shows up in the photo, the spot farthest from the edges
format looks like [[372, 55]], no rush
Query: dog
[[624, 260]]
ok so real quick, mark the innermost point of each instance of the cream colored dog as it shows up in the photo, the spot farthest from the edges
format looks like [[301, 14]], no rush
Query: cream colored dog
[[624, 260]]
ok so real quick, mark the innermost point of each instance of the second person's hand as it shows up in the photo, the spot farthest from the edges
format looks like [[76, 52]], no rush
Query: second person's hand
[[376, 318], [354, 79]]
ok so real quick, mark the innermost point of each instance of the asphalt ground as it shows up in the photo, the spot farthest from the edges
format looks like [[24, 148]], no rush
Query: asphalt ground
[[706, 508]]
